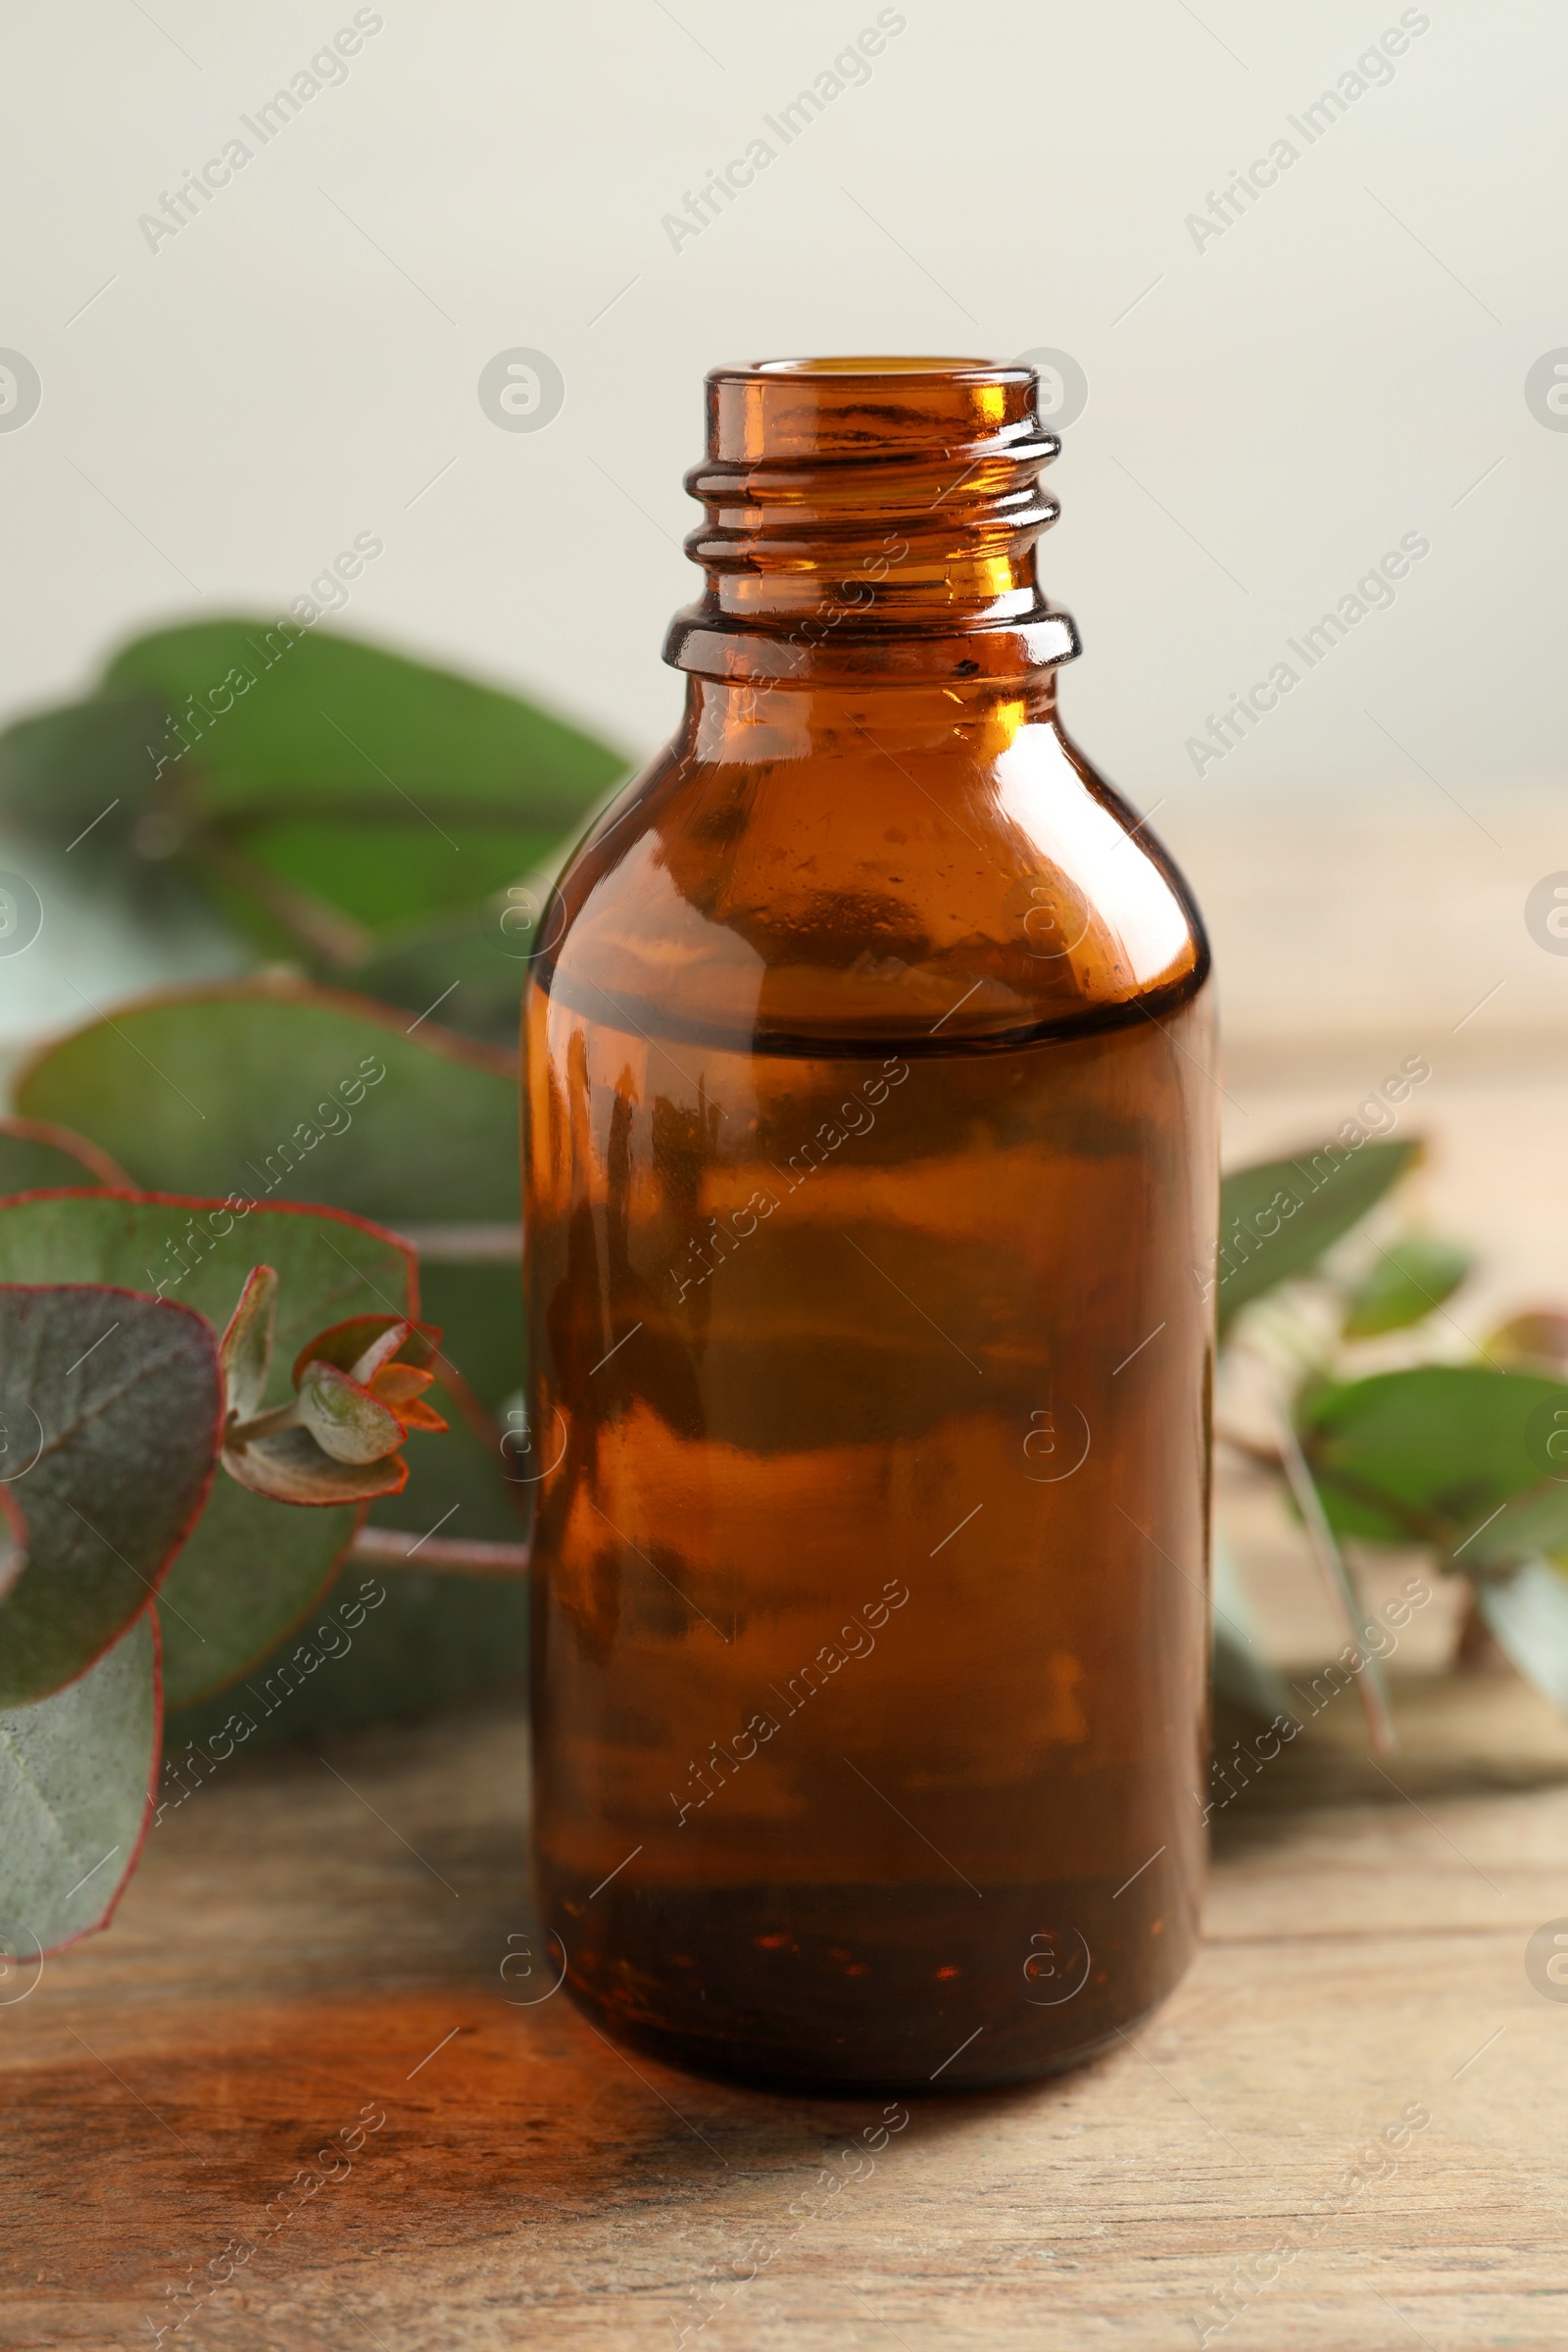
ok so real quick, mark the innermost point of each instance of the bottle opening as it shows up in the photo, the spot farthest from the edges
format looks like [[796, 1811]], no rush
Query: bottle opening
[[992, 370], [871, 517]]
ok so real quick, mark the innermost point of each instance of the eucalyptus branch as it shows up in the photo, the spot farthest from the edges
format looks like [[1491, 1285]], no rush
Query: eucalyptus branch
[[457, 1555], [325, 931], [263, 1425], [467, 1245], [1336, 1576], [1267, 1457]]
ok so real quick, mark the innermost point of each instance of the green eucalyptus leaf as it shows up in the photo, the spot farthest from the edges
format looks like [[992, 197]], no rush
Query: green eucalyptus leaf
[[1243, 1673], [252, 1564], [431, 1142], [35, 1156], [389, 787], [1278, 1218], [287, 1092], [1473, 1460], [273, 1088], [1535, 1341], [249, 1570], [321, 721], [201, 1254], [60, 769], [430, 1640], [291, 1467], [345, 1420], [487, 948], [246, 1348], [13, 1534], [1405, 1282], [75, 1789], [111, 1406], [322, 791], [461, 1483], [1527, 1614]]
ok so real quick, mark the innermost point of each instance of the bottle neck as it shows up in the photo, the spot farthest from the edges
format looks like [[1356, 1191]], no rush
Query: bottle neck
[[963, 729], [872, 522]]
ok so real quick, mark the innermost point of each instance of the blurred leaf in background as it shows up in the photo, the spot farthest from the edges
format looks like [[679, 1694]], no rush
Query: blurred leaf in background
[[370, 815], [1279, 1217], [35, 1154], [1403, 1283], [1447, 1454], [1467, 1460]]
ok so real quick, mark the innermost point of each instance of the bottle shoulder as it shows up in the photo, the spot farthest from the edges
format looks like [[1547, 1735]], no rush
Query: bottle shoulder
[[873, 892]]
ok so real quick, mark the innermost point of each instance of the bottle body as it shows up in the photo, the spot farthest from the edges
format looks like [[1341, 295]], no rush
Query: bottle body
[[871, 1193]]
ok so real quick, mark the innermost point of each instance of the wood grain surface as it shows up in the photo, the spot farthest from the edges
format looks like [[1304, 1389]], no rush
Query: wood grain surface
[[313, 1941]]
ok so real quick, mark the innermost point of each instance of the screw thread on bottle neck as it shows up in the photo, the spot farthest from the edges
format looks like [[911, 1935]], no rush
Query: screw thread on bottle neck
[[871, 520]]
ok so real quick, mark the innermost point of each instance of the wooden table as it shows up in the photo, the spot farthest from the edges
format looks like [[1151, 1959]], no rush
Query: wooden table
[[305, 1951]]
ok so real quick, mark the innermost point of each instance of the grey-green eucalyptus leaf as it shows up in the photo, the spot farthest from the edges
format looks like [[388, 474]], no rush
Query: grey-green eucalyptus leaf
[[114, 1403], [76, 1794]]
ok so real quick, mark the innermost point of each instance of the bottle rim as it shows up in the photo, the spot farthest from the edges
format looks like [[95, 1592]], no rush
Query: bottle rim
[[936, 368]]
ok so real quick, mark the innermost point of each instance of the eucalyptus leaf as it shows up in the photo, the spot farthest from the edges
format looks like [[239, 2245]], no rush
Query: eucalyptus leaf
[[1279, 1217], [330, 1265], [63, 768], [291, 1467], [287, 1092], [35, 1156], [1527, 1614], [385, 787], [245, 1351], [321, 790], [1405, 1282], [1535, 1341], [431, 1640], [273, 1088], [13, 1530], [251, 1564], [249, 1571], [323, 723], [461, 1483], [1242, 1674], [1472, 1460], [77, 1774], [228, 1106], [344, 1419], [111, 1406]]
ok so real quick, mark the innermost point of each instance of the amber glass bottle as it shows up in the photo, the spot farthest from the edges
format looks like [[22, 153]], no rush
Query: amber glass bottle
[[871, 1200]]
